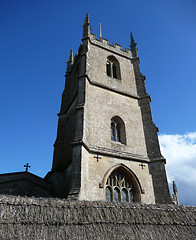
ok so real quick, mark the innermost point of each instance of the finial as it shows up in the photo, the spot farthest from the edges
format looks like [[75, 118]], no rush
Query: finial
[[100, 31], [86, 27], [133, 46], [70, 62]]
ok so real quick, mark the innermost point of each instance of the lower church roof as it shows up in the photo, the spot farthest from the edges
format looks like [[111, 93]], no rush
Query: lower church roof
[[47, 218]]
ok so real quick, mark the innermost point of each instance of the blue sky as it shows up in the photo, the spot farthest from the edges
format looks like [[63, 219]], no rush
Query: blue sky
[[35, 40]]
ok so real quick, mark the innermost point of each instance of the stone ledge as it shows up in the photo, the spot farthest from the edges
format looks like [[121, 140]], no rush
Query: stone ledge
[[111, 152]]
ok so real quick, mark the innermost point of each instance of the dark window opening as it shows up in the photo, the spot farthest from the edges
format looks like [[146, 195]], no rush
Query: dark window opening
[[114, 71], [108, 69]]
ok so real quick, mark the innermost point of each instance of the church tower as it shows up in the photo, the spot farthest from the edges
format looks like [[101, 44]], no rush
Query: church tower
[[107, 145]]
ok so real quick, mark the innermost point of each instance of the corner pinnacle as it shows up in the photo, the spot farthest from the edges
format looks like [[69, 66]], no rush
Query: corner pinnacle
[[70, 62], [86, 21], [86, 27], [133, 43], [70, 56], [133, 46]]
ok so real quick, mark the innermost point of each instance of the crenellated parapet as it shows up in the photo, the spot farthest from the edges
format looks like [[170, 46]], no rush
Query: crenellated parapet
[[130, 53], [115, 47]]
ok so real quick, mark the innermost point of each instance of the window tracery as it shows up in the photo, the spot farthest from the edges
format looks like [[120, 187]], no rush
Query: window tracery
[[119, 187]]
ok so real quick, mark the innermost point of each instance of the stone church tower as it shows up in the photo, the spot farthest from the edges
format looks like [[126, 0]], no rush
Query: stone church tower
[[107, 146]]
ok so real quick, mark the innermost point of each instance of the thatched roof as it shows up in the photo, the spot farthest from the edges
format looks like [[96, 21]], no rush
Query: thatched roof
[[44, 218]]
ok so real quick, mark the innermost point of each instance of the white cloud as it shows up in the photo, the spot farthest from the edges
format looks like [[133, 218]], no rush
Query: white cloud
[[180, 153]]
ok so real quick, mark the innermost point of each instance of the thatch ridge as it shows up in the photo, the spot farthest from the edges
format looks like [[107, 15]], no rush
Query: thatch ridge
[[48, 218]]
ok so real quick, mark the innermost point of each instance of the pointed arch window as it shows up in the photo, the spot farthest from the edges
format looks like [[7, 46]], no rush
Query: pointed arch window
[[113, 67], [118, 130], [120, 187]]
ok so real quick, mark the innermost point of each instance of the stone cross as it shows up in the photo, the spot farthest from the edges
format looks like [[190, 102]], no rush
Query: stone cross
[[97, 157], [27, 166], [142, 165]]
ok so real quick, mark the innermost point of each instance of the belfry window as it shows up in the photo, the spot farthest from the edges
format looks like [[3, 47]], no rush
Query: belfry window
[[108, 69], [114, 72], [118, 130], [120, 187], [113, 67]]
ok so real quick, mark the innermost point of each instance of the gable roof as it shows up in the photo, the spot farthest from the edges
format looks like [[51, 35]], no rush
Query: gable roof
[[15, 176], [24, 183], [46, 218]]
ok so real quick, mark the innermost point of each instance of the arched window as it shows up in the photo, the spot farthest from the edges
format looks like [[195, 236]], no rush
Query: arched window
[[113, 67], [118, 130], [121, 187]]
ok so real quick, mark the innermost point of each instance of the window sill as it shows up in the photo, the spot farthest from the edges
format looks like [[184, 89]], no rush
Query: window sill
[[114, 78], [118, 143]]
